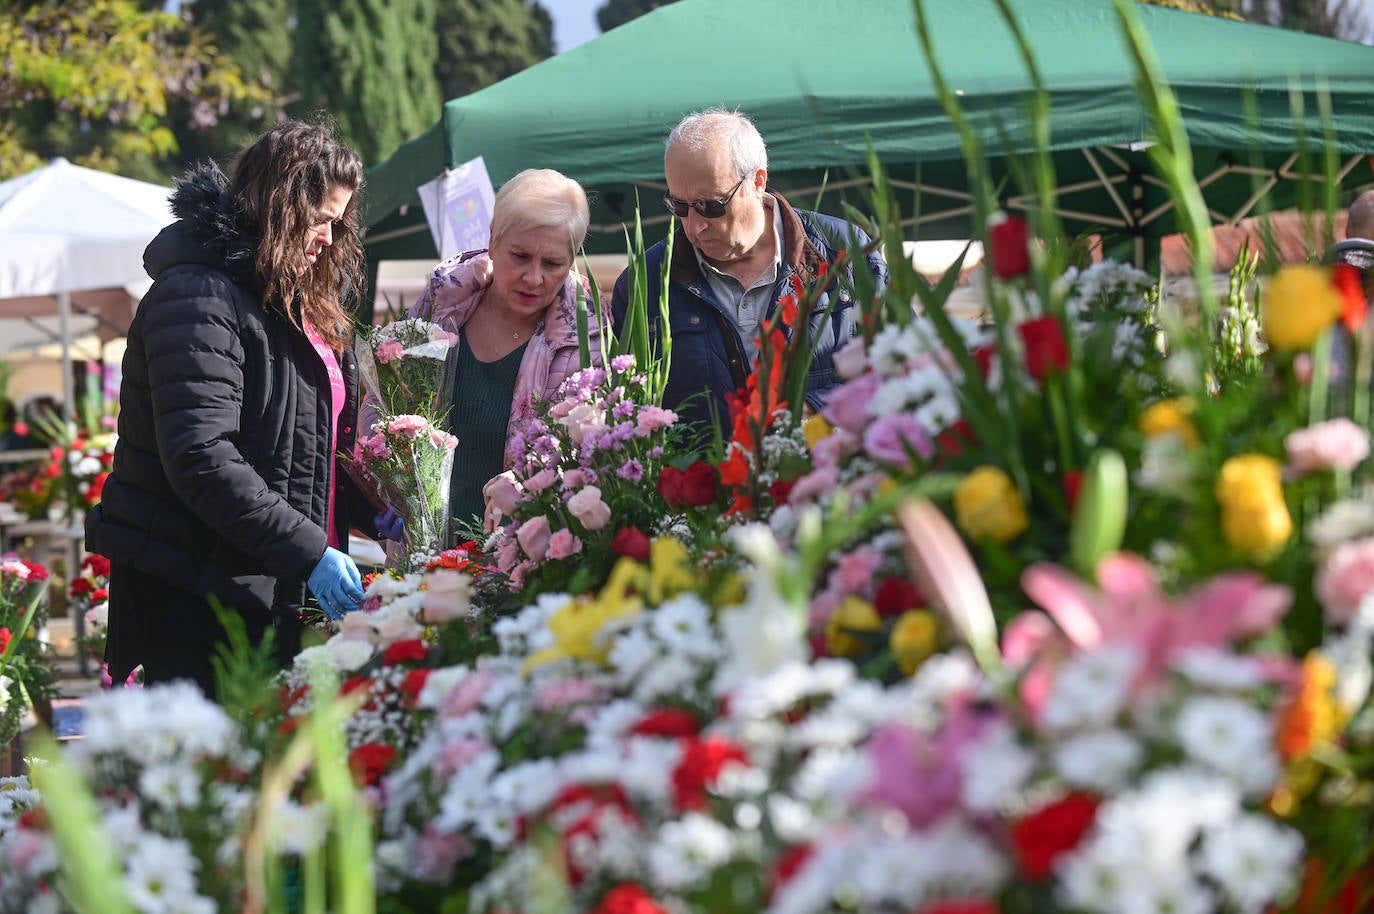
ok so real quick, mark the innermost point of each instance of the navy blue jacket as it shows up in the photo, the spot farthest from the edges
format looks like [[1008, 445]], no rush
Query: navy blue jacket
[[708, 353]]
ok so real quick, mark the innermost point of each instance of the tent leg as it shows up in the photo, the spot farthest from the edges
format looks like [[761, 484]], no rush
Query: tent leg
[[72, 552]]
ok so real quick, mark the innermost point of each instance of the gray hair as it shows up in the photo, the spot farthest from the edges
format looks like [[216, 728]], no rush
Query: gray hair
[[541, 198], [1360, 221], [703, 130]]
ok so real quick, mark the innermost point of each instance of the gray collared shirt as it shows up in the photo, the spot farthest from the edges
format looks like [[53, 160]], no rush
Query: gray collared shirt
[[747, 306]]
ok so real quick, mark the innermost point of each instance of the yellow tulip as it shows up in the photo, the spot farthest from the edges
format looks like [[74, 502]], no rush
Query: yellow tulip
[[1299, 303], [987, 505], [855, 614], [1167, 417], [914, 637]]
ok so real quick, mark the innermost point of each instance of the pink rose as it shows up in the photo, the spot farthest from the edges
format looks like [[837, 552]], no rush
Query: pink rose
[[447, 597], [574, 479], [653, 418], [541, 480], [846, 406], [533, 536], [502, 493], [588, 507], [1337, 444], [581, 419], [563, 543], [1346, 580], [389, 351], [507, 554], [852, 359], [891, 439]]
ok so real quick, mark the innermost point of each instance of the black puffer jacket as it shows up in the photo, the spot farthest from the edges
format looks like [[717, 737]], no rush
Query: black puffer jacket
[[221, 472]]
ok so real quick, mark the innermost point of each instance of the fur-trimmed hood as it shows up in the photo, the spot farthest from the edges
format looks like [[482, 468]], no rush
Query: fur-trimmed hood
[[207, 232]]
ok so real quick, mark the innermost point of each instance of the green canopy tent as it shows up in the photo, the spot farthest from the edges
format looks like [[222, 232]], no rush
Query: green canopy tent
[[822, 78]]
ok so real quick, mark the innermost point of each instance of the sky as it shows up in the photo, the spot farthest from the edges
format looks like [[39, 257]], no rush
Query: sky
[[574, 21]]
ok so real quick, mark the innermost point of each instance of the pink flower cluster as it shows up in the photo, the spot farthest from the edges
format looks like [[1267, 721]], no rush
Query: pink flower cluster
[[1337, 444]]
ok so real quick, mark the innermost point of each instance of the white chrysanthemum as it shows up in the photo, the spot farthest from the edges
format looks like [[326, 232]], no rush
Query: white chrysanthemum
[[995, 769], [689, 850], [671, 675], [1254, 860], [1233, 738], [160, 876], [632, 652], [611, 722], [1100, 760], [298, 829], [528, 786], [831, 772], [466, 795], [170, 785], [1091, 688], [646, 768], [173, 721], [439, 684], [683, 624]]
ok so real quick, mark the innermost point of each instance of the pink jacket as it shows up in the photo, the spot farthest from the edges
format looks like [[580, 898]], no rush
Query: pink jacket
[[454, 290]]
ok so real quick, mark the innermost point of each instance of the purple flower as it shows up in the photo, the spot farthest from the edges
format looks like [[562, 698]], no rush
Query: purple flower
[[624, 409], [633, 470], [622, 363]]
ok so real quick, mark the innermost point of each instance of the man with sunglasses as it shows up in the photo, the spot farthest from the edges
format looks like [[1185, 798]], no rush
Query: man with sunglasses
[[736, 251]]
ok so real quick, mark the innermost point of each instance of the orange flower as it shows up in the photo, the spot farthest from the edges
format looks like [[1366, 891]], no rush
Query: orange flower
[[1349, 282], [1311, 717]]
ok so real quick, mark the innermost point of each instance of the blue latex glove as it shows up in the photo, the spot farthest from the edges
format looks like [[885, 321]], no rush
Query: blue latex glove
[[390, 525], [336, 583]]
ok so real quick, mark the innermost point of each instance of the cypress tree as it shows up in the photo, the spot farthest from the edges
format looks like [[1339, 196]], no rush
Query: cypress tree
[[370, 64], [484, 42]]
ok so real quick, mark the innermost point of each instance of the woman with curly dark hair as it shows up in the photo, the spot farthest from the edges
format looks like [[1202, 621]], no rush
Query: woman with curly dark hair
[[239, 393]]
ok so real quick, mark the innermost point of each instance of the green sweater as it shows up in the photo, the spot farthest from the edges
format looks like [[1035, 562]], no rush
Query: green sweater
[[482, 393]]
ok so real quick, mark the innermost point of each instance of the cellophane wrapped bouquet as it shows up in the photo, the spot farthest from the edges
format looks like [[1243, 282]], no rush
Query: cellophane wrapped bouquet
[[26, 672], [405, 453]]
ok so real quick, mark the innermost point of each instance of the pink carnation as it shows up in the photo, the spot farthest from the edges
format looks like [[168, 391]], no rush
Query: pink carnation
[[1346, 580], [588, 507], [574, 479], [373, 447], [846, 406], [390, 351], [541, 480], [408, 426], [653, 418], [1337, 444], [852, 359], [563, 543], [891, 440]]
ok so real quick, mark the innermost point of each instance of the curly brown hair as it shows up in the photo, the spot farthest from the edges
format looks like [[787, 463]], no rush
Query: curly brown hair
[[280, 181]]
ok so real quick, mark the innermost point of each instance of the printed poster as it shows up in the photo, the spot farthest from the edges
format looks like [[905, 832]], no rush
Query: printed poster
[[458, 205]]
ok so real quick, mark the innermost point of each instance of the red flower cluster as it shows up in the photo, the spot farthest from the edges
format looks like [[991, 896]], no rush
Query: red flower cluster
[[369, 762], [895, 596], [668, 723], [577, 812], [628, 898]]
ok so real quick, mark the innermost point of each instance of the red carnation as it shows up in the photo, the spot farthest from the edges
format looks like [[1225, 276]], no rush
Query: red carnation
[[369, 761], [702, 762], [895, 596], [97, 565], [781, 490], [628, 898], [577, 812], [402, 651], [81, 586], [631, 542], [1009, 240], [99, 595], [4, 639], [37, 572], [1046, 347], [668, 722], [354, 683], [414, 684], [1041, 837]]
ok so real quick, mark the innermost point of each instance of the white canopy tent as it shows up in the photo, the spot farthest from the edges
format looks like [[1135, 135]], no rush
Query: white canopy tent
[[71, 234]]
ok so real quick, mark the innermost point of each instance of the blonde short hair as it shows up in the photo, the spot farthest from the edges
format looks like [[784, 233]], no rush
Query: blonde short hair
[[541, 198]]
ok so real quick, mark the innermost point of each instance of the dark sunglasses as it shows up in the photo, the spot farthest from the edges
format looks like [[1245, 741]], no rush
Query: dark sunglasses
[[711, 209]]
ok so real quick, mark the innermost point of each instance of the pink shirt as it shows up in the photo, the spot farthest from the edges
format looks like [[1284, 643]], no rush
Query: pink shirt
[[337, 394]]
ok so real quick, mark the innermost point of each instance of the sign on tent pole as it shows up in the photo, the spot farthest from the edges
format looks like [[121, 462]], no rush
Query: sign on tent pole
[[458, 205]]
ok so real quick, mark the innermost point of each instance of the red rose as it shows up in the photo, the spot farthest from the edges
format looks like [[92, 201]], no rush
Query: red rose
[[411, 649], [632, 543], [693, 487], [1041, 837], [781, 490], [702, 762], [1046, 347], [668, 722], [369, 761], [895, 596], [628, 898], [1349, 282], [1009, 240]]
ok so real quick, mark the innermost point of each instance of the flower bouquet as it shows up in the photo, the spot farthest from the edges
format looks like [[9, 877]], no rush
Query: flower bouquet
[[405, 367], [26, 672], [585, 491], [409, 459]]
